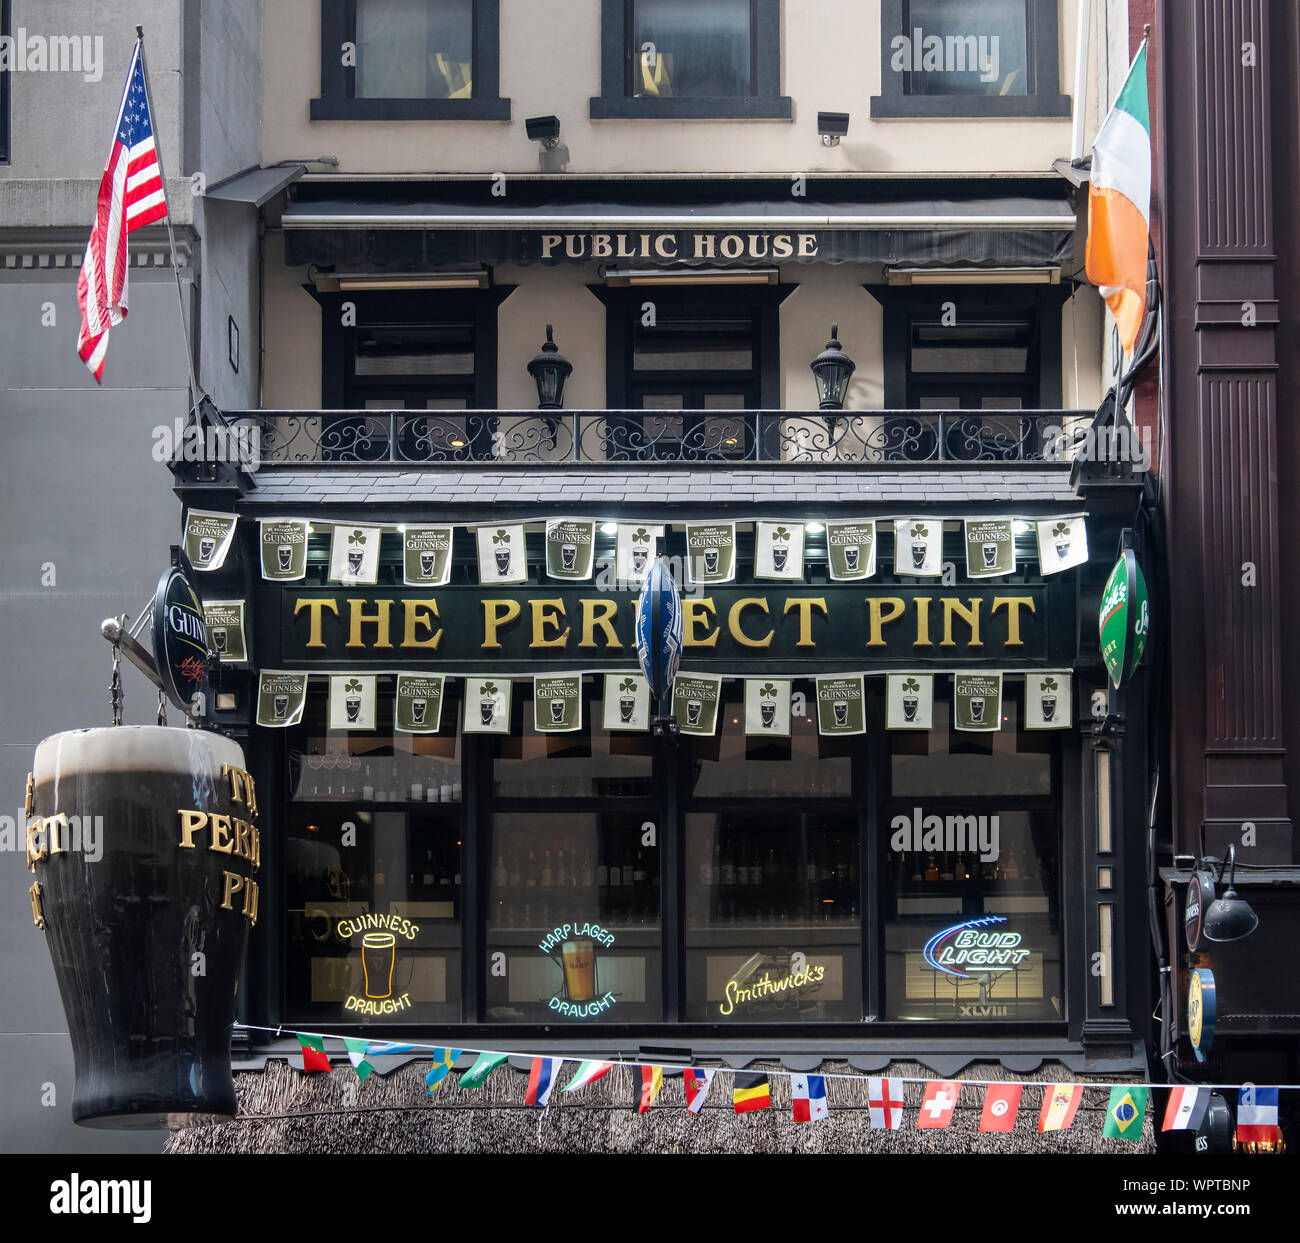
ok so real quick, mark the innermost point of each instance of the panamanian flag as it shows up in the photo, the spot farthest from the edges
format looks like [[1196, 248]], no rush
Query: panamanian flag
[[810, 1098], [698, 1082], [541, 1079], [1257, 1116]]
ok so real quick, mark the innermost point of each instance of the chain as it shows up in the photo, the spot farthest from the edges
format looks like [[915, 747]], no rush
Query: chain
[[115, 684], [162, 707]]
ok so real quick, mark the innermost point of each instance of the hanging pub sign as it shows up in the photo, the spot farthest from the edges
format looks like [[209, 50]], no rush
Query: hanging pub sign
[[977, 701], [1200, 893], [659, 632], [557, 703], [909, 700], [851, 549], [570, 547], [502, 553], [695, 702], [710, 552], [180, 638], [224, 620], [841, 705], [1124, 618], [1201, 1008], [147, 932], [281, 697], [354, 554], [352, 701], [1047, 700], [283, 542], [918, 547], [636, 547], [767, 707], [626, 702], [487, 705], [990, 547], [419, 703], [778, 550], [208, 537], [426, 556], [1062, 543]]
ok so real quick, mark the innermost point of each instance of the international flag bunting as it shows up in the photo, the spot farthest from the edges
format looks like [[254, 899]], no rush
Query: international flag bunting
[[541, 1079], [313, 1053], [588, 1072], [1257, 1116], [936, 1109], [809, 1098], [698, 1083], [384, 1048], [1119, 204], [130, 196], [483, 1066], [885, 1098], [357, 1050], [1060, 1104], [750, 1092], [443, 1061], [1001, 1104], [1125, 1112], [1187, 1108], [652, 1079]]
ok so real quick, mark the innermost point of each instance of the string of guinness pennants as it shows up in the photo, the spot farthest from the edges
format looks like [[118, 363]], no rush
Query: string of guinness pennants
[[769, 701], [1126, 1106], [852, 548]]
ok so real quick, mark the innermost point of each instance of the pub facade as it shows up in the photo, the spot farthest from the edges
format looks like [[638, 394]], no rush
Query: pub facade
[[900, 813]]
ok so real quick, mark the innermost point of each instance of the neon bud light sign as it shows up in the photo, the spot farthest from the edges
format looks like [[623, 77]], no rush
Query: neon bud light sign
[[968, 945]]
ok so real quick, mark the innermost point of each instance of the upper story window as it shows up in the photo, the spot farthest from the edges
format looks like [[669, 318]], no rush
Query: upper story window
[[950, 58], [402, 60], [691, 58], [5, 29]]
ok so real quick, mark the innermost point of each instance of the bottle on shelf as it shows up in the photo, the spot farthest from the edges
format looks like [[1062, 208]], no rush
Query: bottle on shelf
[[947, 873], [916, 868], [931, 869], [530, 877], [1012, 870]]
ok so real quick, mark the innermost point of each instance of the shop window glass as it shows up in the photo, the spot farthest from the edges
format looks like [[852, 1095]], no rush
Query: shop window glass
[[696, 50], [573, 907], [772, 923], [415, 49], [982, 49]]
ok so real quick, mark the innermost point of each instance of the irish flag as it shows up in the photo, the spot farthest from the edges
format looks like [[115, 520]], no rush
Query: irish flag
[[1119, 204]]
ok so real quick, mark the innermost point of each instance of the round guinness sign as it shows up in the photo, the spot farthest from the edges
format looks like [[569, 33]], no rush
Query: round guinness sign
[[1200, 893], [180, 639]]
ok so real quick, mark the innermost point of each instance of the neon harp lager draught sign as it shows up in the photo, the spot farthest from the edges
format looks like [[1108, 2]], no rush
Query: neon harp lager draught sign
[[969, 945]]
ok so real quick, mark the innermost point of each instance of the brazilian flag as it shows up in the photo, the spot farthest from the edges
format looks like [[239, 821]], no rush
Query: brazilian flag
[[1125, 1112]]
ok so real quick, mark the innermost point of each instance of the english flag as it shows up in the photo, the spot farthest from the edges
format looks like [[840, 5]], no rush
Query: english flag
[[130, 196], [809, 1098], [1187, 1108], [1060, 1104], [541, 1079], [885, 1099], [698, 1083], [936, 1109], [1001, 1103]]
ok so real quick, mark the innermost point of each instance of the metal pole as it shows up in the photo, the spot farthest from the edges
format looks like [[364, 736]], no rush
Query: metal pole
[[1082, 33]]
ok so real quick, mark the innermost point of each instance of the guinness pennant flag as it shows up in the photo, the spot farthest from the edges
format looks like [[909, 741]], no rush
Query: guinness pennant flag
[[426, 556], [502, 554], [570, 547], [354, 554], [208, 537], [224, 622], [419, 703], [283, 544], [280, 698], [990, 547], [841, 706], [636, 548], [977, 701], [1047, 700], [767, 707], [487, 706], [352, 701], [851, 549], [1062, 543], [557, 703], [778, 550], [918, 547], [909, 701], [626, 702], [695, 702], [710, 552]]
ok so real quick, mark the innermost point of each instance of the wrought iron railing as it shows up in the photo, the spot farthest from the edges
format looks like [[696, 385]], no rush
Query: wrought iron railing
[[531, 437]]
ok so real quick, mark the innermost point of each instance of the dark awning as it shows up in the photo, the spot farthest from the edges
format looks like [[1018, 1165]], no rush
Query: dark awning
[[257, 186]]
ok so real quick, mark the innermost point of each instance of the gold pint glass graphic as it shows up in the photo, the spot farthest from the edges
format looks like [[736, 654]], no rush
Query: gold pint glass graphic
[[579, 970], [378, 953]]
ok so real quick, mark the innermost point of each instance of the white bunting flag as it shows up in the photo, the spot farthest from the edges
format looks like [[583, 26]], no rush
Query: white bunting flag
[[626, 702], [778, 549], [1062, 543], [637, 546], [352, 701], [354, 554], [502, 555], [767, 707], [918, 547], [909, 701]]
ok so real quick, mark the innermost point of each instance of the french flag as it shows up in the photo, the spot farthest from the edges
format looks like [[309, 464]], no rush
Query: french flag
[[809, 1098], [1257, 1116], [541, 1079]]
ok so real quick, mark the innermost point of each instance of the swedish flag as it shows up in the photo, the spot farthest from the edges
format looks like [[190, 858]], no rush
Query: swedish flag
[[1125, 1112]]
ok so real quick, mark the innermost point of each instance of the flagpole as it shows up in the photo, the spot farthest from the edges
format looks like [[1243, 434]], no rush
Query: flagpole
[[196, 394]]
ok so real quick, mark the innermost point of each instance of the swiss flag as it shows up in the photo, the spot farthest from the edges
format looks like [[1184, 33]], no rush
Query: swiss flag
[[1001, 1101], [940, 1101]]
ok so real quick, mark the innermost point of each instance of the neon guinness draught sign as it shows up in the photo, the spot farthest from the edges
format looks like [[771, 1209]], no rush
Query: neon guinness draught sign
[[966, 945]]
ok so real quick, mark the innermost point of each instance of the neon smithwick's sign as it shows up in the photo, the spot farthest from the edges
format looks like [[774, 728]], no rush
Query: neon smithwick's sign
[[738, 995], [969, 945]]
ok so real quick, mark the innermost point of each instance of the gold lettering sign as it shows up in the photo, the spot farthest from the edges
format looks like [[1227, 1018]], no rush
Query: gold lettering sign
[[230, 835]]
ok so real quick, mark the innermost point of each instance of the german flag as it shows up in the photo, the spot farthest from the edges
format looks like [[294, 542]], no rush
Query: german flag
[[751, 1092]]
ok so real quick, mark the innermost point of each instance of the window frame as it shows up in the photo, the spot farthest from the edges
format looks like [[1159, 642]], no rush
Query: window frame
[[337, 101], [1042, 53], [6, 118], [766, 103]]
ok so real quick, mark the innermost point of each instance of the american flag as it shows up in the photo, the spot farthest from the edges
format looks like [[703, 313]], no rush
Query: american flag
[[130, 197]]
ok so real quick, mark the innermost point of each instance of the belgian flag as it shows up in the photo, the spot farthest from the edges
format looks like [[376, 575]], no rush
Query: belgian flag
[[750, 1092]]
